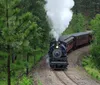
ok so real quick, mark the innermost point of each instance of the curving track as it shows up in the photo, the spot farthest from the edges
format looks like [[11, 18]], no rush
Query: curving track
[[74, 75]]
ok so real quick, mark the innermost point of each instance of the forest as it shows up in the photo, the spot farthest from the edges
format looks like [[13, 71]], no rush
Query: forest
[[25, 36]]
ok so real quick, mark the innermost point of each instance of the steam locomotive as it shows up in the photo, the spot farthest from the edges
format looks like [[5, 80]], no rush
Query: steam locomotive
[[59, 49]]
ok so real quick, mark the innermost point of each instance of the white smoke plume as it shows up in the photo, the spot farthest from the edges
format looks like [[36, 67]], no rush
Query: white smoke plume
[[59, 14]]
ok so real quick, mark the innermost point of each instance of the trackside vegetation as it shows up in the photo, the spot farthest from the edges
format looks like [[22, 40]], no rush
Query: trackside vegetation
[[92, 63], [18, 68], [24, 37], [90, 66]]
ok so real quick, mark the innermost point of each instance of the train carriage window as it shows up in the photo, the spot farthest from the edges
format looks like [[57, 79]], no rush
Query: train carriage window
[[69, 41], [83, 37]]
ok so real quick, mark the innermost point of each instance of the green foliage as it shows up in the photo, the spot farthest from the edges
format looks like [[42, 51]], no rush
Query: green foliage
[[3, 54], [36, 7], [77, 24], [26, 81], [95, 50], [39, 82], [19, 66], [90, 66], [87, 61], [87, 7], [28, 27], [24, 28]]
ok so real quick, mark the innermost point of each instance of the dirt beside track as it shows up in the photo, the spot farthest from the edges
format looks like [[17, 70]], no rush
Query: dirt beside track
[[74, 75]]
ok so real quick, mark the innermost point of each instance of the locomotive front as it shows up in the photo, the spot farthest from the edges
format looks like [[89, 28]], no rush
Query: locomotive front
[[58, 55]]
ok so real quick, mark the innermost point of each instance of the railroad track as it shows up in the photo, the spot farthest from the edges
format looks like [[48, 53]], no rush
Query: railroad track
[[70, 78], [59, 78], [64, 78]]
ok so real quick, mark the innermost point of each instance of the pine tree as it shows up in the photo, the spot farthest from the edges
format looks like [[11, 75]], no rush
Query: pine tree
[[15, 27], [95, 25]]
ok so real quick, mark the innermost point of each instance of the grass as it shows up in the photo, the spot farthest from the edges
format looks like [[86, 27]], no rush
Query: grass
[[26, 81], [91, 68], [68, 31], [39, 82]]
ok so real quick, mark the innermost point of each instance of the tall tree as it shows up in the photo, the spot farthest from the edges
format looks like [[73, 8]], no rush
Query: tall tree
[[36, 7], [87, 7], [15, 27], [95, 25]]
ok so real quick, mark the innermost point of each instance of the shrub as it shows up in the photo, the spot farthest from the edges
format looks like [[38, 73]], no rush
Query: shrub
[[26, 81]]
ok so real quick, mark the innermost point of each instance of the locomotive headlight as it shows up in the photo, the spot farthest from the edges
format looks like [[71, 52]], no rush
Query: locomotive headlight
[[57, 46]]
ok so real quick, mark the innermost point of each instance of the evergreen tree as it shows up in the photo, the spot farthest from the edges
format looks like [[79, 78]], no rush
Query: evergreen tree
[[95, 25], [87, 7], [15, 27], [36, 7]]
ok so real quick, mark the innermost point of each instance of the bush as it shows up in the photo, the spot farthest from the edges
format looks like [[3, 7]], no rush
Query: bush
[[90, 66], [95, 51], [26, 81]]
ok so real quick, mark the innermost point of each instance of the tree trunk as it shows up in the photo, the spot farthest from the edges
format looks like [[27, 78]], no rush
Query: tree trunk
[[8, 46], [8, 63], [27, 67], [34, 59], [14, 57]]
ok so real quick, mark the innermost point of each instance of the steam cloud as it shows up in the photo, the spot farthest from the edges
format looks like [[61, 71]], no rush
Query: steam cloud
[[59, 15]]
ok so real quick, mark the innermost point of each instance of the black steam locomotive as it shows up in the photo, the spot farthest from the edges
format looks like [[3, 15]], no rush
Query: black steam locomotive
[[58, 54], [59, 49]]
